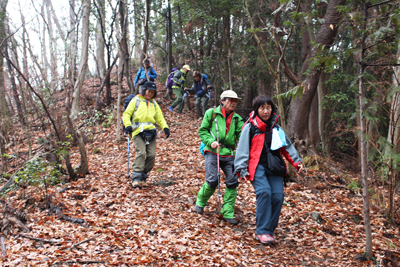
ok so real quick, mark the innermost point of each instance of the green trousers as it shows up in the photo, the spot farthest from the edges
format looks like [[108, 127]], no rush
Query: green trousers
[[228, 207], [178, 101]]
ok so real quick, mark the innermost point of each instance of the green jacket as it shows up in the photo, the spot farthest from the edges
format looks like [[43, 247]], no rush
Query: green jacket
[[228, 142]]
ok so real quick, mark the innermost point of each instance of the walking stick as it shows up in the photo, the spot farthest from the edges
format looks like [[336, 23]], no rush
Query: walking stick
[[128, 154], [219, 172]]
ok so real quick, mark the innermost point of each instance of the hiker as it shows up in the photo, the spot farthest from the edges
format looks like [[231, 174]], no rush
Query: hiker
[[169, 83], [223, 124], [202, 89], [141, 76], [179, 80], [259, 159], [143, 131]]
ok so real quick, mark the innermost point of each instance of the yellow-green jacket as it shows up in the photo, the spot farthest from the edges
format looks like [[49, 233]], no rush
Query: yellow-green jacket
[[147, 113]]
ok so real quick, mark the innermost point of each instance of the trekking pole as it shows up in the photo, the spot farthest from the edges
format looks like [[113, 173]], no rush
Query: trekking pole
[[128, 154], [219, 172]]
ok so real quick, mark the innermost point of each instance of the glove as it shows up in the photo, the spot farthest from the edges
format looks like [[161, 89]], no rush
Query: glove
[[184, 95], [129, 130], [166, 131]]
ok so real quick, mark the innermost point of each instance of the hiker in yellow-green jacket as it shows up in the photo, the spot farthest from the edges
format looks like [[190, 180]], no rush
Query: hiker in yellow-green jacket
[[224, 125], [179, 81], [138, 119]]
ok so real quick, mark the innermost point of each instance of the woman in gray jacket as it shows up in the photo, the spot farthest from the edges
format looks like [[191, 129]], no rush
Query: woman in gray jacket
[[259, 159]]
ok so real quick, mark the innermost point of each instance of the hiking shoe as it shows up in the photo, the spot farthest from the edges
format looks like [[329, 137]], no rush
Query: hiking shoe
[[171, 108], [231, 221], [136, 184], [198, 209], [143, 184], [266, 239]]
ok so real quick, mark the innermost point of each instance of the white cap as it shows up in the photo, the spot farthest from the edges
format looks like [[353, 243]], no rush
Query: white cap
[[229, 94], [186, 67]]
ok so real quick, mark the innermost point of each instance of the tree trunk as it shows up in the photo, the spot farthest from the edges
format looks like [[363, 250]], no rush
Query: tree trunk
[[4, 113], [146, 31], [72, 43], [322, 113], [100, 40], [23, 84], [169, 42], [300, 108], [137, 26], [363, 152], [53, 51], [84, 60], [44, 47], [123, 12], [227, 41], [181, 61], [14, 87]]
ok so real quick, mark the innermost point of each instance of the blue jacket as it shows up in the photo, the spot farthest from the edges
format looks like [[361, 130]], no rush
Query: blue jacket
[[141, 74]]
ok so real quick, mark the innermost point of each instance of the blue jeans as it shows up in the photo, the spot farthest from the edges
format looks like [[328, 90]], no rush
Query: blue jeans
[[269, 194]]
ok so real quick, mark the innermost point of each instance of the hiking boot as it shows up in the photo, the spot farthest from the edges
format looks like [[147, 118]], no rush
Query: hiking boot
[[266, 239], [198, 209], [171, 108], [136, 184], [231, 221]]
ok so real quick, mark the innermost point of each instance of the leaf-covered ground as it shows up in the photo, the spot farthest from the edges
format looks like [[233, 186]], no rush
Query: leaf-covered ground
[[157, 226]]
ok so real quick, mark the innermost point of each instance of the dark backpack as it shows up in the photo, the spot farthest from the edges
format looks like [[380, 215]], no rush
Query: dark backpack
[[169, 82], [275, 161]]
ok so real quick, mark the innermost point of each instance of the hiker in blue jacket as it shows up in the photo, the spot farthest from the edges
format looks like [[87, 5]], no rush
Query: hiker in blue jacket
[[202, 89], [141, 76]]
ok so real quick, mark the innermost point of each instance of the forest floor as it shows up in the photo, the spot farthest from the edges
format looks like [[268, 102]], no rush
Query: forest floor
[[157, 225]]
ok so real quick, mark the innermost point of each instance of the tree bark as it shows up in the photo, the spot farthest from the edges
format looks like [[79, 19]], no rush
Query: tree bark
[[125, 56], [14, 87], [363, 152], [169, 42], [5, 119], [100, 46], [72, 43], [53, 51], [44, 46], [84, 60], [227, 41], [146, 31], [300, 108]]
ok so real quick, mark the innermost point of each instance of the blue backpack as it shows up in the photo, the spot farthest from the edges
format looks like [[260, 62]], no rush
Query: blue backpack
[[169, 82]]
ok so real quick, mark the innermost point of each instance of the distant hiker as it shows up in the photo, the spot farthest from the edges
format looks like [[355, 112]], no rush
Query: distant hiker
[[169, 83], [202, 89], [141, 77], [259, 159], [139, 122], [223, 124], [179, 80]]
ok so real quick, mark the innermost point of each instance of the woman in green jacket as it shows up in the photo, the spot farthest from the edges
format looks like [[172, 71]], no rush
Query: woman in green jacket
[[222, 124], [139, 118]]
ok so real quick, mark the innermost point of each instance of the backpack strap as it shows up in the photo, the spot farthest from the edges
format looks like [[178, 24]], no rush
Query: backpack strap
[[142, 124]]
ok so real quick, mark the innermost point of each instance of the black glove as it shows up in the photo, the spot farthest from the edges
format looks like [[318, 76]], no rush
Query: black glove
[[129, 130], [166, 131]]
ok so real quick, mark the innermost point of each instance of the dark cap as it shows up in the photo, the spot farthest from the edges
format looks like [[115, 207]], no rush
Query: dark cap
[[147, 61], [150, 85]]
